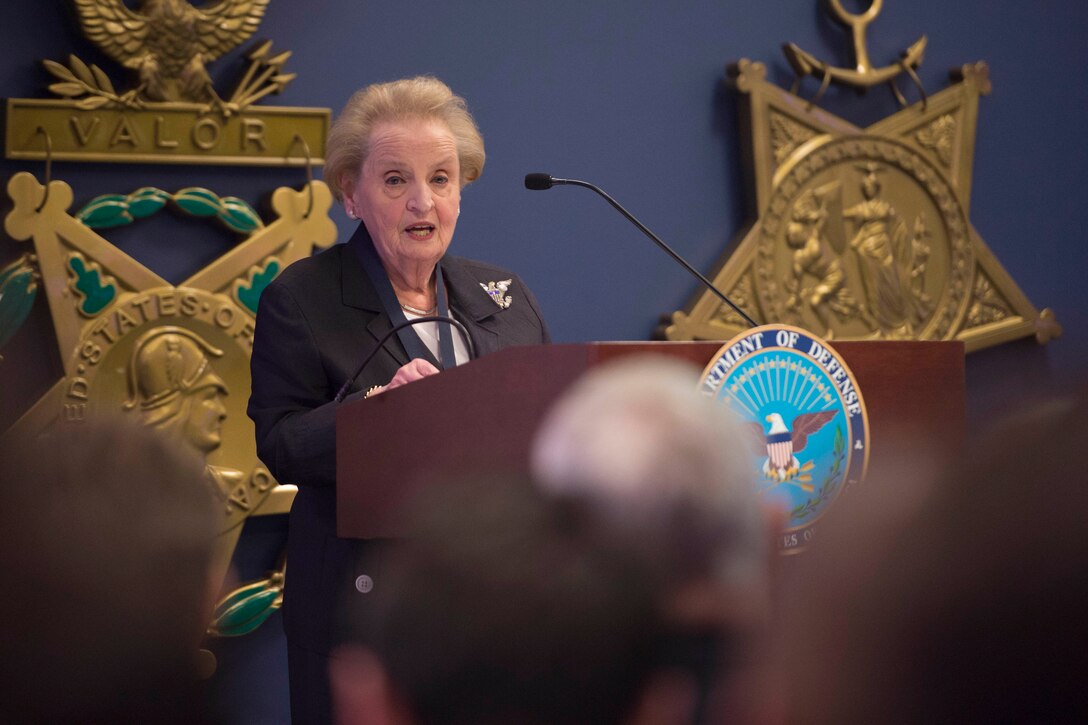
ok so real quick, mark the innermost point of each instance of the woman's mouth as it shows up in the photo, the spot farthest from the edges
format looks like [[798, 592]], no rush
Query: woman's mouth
[[421, 232]]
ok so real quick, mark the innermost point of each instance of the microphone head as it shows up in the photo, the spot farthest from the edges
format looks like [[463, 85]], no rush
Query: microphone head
[[538, 182]]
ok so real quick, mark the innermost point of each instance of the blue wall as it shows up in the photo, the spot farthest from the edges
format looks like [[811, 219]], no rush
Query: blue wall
[[630, 95]]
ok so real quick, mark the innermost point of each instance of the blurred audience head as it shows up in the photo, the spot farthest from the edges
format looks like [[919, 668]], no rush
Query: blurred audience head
[[639, 441], [963, 604], [503, 605], [653, 455], [108, 533]]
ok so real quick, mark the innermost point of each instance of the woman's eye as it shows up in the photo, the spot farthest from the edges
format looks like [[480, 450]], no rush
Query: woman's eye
[[393, 180], [441, 179]]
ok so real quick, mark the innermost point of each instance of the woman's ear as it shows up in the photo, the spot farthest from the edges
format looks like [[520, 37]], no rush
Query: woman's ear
[[347, 190]]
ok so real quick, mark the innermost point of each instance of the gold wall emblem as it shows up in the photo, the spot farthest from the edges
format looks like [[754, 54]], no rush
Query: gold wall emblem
[[864, 233], [173, 113], [167, 43], [176, 357]]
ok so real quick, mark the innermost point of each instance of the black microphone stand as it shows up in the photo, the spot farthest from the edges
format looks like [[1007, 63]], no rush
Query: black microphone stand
[[539, 182], [396, 328]]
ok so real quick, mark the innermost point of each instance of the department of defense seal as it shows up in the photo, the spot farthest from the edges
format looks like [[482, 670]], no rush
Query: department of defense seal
[[809, 426]]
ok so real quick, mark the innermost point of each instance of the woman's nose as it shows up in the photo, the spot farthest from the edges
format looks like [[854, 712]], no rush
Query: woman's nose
[[420, 199]]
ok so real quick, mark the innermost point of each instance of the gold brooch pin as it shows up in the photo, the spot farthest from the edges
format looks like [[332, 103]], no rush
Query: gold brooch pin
[[497, 292]]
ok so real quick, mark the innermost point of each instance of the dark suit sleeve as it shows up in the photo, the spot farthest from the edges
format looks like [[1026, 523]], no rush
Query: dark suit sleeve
[[291, 403]]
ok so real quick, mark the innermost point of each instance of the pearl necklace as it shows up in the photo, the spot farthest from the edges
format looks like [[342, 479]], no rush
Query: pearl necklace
[[417, 311]]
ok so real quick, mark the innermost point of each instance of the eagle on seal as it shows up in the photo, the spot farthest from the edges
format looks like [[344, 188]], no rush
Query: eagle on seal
[[784, 443], [169, 42]]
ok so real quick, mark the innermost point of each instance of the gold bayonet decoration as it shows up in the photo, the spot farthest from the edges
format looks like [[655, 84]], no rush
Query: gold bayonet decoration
[[865, 233], [175, 357], [173, 114]]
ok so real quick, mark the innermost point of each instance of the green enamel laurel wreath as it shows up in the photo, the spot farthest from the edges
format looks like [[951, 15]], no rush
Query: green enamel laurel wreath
[[117, 210], [247, 607]]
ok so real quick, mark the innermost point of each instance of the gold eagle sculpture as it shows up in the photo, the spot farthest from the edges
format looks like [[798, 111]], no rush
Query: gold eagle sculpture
[[168, 43]]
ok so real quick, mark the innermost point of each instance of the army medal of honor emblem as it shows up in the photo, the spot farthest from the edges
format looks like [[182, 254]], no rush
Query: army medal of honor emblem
[[809, 427], [173, 356]]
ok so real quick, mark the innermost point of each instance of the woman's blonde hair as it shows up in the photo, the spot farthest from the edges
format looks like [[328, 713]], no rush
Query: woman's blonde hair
[[423, 97]]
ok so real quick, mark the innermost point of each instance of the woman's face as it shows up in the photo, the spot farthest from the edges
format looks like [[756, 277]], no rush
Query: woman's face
[[409, 193]]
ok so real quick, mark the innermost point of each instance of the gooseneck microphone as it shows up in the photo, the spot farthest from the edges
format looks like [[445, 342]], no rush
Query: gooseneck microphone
[[396, 328], [540, 182]]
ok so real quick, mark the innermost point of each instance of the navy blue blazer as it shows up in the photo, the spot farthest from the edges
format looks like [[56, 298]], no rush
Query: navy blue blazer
[[315, 323]]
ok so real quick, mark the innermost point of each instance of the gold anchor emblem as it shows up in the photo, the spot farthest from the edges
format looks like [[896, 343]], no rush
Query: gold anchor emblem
[[864, 233], [864, 75]]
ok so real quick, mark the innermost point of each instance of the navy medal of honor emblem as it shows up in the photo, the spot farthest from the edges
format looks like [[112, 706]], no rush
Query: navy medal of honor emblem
[[809, 427]]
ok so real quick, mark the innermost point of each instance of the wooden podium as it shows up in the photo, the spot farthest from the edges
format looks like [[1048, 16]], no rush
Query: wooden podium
[[480, 418]]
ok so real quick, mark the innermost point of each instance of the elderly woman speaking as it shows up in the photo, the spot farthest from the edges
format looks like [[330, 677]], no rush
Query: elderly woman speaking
[[399, 156]]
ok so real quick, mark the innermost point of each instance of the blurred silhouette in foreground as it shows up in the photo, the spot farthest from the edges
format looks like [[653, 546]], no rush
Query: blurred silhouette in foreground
[[108, 534], [963, 601], [652, 454], [504, 605]]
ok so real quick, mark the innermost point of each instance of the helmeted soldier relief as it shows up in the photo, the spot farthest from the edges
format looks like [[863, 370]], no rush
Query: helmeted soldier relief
[[173, 386]]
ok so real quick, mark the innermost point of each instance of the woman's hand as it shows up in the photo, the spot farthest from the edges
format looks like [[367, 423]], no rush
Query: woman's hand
[[414, 370]]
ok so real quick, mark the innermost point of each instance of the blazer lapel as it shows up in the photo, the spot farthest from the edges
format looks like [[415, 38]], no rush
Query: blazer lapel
[[359, 293], [472, 305]]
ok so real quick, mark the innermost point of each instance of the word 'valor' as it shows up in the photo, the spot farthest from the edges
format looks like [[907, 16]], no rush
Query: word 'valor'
[[206, 133]]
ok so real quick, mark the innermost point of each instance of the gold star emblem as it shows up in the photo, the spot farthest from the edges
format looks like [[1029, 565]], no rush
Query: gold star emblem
[[132, 344], [865, 233]]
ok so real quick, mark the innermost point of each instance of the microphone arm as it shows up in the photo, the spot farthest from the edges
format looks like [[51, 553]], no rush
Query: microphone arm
[[396, 328], [540, 182]]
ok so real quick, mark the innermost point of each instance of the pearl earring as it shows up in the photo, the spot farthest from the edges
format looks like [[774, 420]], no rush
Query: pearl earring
[[351, 214]]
